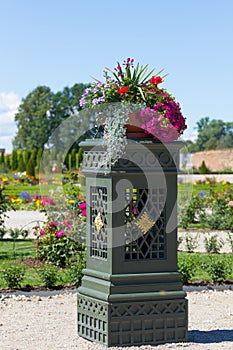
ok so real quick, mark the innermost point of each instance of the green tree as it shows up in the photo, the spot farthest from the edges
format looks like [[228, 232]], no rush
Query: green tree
[[73, 159], [213, 134], [26, 156], [38, 158], [65, 105], [32, 119], [30, 168], [2, 158], [40, 114], [21, 164], [79, 157], [14, 159]]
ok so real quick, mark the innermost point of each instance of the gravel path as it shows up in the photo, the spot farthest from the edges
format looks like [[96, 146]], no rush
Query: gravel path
[[50, 323]]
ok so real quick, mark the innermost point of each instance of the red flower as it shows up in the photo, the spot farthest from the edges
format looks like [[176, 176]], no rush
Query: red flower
[[156, 80], [123, 90], [119, 67]]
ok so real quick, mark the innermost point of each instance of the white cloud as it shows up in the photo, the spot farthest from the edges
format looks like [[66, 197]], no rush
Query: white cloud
[[9, 103]]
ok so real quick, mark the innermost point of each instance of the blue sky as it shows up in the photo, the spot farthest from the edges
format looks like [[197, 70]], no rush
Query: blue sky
[[63, 42]]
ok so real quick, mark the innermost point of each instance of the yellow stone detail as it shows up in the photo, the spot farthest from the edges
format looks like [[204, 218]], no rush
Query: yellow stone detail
[[144, 223], [98, 222]]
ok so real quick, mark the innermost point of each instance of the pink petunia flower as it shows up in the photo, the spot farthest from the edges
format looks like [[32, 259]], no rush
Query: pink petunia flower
[[67, 224], [84, 212], [82, 206], [230, 203], [42, 232], [59, 233], [53, 224]]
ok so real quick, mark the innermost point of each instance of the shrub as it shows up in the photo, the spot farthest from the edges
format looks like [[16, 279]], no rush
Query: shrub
[[13, 276], [54, 244], [76, 268], [203, 168], [230, 240], [187, 268], [48, 275], [193, 212], [191, 242], [5, 205], [213, 244], [218, 267]]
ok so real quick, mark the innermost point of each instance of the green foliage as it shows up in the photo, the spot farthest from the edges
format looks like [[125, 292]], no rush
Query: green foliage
[[2, 158], [218, 267], [192, 212], [54, 244], [187, 268], [30, 168], [72, 164], [76, 268], [21, 164], [41, 112], [13, 275], [48, 275], [191, 242], [213, 244], [14, 160], [203, 168], [212, 134], [5, 205], [230, 240]]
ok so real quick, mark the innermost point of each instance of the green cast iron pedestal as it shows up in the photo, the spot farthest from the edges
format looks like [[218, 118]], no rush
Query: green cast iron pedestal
[[131, 293]]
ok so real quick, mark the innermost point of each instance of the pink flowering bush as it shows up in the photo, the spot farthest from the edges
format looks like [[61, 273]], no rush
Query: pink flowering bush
[[54, 243]]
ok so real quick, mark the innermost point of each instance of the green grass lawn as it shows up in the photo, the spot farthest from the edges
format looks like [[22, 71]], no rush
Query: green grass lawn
[[23, 252]]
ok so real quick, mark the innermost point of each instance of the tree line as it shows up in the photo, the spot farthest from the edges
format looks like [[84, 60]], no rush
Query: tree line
[[212, 135], [30, 162]]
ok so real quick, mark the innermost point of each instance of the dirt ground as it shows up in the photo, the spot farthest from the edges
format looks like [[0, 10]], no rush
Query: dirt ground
[[50, 323]]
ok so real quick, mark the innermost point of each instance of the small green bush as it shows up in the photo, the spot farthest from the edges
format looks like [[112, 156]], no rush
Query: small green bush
[[75, 271], [213, 244], [48, 275], [203, 168], [13, 275], [187, 267], [191, 242], [230, 240], [218, 267]]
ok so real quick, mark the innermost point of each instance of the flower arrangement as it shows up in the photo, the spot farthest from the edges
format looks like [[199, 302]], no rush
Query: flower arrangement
[[158, 114]]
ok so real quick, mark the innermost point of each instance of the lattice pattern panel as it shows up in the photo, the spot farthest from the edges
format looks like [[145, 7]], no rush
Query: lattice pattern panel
[[149, 323], [94, 159], [99, 239], [92, 319], [145, 236]]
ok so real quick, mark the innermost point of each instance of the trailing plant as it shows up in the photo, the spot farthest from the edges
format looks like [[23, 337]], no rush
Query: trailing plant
[[13, 275]]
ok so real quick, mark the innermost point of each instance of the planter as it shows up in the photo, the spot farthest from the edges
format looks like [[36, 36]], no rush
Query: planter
[[134, 132]]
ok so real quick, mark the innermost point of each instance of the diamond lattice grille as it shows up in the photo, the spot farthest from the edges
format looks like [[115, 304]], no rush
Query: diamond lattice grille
[[141, 244], [98, 207]]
